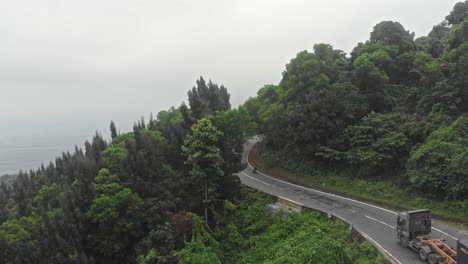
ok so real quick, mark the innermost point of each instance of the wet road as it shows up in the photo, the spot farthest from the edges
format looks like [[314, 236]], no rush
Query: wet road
[[377, 222]]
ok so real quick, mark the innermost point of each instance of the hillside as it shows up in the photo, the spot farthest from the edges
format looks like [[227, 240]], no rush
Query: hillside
[[388, 121], [394, 111], [250, 233]]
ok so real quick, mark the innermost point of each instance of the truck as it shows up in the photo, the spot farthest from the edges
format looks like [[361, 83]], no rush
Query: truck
[[414, 231]]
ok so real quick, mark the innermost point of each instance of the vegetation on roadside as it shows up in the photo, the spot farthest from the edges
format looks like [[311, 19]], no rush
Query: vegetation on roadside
[[126, 200], [385, 192], [250, 233], [387, 123]]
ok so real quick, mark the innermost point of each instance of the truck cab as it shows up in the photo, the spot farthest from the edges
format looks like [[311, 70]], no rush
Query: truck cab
[[413, 225], [414, 231]]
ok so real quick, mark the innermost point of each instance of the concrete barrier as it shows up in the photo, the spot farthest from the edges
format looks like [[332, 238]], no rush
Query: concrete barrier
[[289, 203], [354, 233]]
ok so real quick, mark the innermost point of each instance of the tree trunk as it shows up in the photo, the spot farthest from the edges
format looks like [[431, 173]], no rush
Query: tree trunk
[[206, 202]]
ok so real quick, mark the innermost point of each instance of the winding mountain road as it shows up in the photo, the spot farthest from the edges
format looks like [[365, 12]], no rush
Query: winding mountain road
[[377, 222]]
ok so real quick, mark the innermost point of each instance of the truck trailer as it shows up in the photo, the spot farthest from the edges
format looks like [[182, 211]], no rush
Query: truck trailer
[[414, 231]]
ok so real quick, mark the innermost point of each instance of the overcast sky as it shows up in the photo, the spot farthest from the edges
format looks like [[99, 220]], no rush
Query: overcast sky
[[143, 55]]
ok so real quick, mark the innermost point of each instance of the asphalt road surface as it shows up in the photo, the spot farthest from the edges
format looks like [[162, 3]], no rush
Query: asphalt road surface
[[377, 222]]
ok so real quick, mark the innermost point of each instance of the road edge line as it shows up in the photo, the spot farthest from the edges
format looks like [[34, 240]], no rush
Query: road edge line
[[334, 195]]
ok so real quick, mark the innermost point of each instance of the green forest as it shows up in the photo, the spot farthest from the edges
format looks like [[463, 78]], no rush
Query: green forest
[[143, 198], [393, 112], [389, 120]]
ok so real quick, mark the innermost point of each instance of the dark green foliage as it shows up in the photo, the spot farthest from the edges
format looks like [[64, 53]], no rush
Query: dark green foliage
[[250, 233], [311, 105], [173, 126], [113, 130], [48, 197], [203, 155], [312, 70], [458, 35], [394, 110], [457, 60], [322, 116], [365, 114], [458, 14], [236, 126], [150, 258], [393, 33], [117, 214], [19, 239], [203, 248], [439, 165], [434, 43], [114, 155], [377, 145], [205, 164], [208, 98], [442, 97], [121, 202]]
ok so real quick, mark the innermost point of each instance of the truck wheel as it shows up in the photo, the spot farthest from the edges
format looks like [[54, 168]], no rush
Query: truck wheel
[[403, 241], [423, 254], [433, 258]]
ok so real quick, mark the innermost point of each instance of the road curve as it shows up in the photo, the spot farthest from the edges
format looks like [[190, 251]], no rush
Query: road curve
[[377, 222]]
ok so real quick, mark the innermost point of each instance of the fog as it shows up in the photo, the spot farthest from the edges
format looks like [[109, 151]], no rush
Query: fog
[[142, 56]]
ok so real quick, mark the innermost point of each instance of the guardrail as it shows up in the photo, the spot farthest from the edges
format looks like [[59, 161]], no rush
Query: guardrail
[[354, 233]]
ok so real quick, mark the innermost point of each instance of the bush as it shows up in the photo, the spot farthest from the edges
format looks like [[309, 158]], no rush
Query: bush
[[250, 233], [440, 166]]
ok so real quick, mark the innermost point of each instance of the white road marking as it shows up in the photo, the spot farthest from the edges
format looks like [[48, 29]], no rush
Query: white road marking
[[321, 192], [329, 194], [257, 180], [284, 198], [377, 220], [368, 237], [440, 231], [289, 200], [383, 249]]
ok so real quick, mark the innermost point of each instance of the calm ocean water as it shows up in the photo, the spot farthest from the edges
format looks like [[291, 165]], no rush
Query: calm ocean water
[[26, 141]]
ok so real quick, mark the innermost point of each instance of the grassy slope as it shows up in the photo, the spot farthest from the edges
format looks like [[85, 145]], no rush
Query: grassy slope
[[254, 235], [250, 233], [384, 193]]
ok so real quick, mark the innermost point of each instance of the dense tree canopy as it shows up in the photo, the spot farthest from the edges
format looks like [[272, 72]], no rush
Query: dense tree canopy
[[373, 113], [395, 108], [123, 201], [458, 14], [207, 98]]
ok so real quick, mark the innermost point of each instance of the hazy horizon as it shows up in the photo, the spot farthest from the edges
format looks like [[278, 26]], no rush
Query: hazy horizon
[[68, 68], [29, 140], [143, 56]]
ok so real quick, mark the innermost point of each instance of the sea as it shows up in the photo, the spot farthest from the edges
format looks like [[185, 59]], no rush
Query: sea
[[29, 140]]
